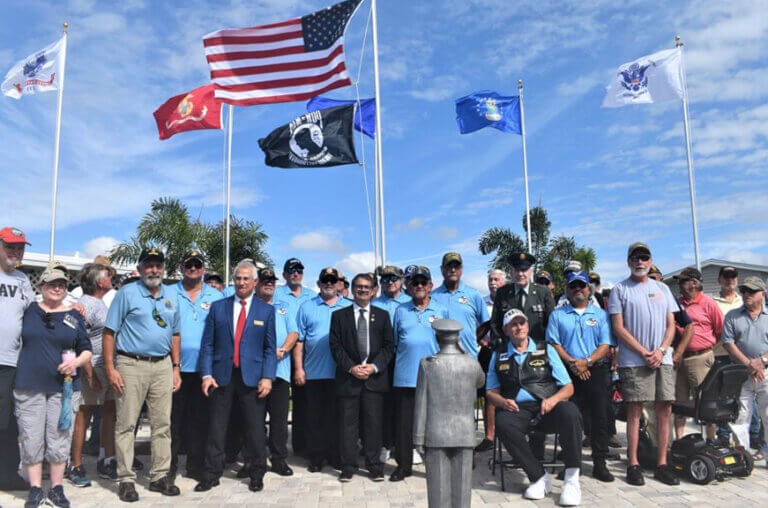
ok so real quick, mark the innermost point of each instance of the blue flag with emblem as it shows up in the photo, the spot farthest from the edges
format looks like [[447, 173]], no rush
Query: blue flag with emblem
[[365, 113], [488, 109]]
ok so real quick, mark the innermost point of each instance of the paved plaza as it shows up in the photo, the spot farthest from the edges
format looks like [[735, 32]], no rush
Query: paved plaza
[[307, 490]]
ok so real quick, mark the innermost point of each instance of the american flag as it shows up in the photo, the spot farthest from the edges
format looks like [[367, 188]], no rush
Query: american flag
[[293, 60]]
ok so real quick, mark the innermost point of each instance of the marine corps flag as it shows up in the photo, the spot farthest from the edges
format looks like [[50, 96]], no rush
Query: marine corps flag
[[318, 139], [195, 110]]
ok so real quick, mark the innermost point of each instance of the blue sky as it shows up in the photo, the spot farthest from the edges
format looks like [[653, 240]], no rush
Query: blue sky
[[608, 177]]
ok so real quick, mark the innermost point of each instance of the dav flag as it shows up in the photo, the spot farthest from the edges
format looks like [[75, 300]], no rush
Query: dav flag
[[652, 78], [318, 139], [195, 110], [488, 109], [39, 72]]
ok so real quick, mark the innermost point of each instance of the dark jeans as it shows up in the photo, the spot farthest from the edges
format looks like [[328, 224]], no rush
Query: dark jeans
[[404, 405], [9, 436], [277, 407], [253, 410], [593, 397], [321, 428], [513, 428], [189, 423]]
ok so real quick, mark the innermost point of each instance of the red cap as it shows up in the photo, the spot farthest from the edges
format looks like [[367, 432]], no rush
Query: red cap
[[13, 235]]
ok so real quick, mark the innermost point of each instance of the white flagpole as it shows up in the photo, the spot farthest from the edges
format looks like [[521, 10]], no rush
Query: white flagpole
[[381, 234], [55, 189], [689, 156], [229, 194], [525, 166]]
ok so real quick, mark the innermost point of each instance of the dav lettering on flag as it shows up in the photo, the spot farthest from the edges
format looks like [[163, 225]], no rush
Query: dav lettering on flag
[[288, 61], [195, 110], [39, 72]]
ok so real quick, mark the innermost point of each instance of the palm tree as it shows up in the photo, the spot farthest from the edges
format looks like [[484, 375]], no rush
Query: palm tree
[[247, 240], [504, 243], [587, 257], [540, 225]]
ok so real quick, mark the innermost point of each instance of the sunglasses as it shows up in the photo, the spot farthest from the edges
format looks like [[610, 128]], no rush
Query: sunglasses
[[641, 257], [193, 264], [159, 319], [48, 320], [577, 285], [388, 279], [543, 281], [419, 282], [291, 271], [328, 280], [747, 291]]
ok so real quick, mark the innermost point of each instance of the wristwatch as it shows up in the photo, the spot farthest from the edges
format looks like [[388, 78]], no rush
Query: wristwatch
[[764, 360], [176, 365], [663, 350], [589, 361]]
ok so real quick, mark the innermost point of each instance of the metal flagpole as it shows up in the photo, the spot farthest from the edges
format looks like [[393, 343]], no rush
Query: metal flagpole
[[54, 191], [381, 235], [229, 194], [525, 166], [689, 155]]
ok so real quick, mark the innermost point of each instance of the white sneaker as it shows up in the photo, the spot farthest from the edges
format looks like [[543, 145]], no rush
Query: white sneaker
[[540, 488], [417, 457], [571, 495]]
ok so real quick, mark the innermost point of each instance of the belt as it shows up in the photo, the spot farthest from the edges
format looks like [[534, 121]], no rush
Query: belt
[[144, 358], [688, 354]]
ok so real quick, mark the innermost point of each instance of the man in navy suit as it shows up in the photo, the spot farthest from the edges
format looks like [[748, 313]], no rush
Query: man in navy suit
[[362, 345], [238, 359]]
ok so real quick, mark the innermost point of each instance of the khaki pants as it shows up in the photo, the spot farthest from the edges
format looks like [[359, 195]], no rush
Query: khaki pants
[[151, 383]]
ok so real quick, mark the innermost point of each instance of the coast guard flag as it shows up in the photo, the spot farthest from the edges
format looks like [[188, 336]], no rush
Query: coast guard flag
[[365, 115], [488, 109], [651, 78], [39, 72], [288, 61], [195, 110], [318, 139]]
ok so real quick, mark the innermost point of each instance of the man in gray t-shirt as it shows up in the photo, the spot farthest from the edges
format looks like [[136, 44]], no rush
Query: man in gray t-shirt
[[745, 337], [642, 317], [15, 296]]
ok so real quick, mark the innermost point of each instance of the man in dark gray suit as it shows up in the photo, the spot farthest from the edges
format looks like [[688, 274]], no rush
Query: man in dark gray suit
[[362, 345]]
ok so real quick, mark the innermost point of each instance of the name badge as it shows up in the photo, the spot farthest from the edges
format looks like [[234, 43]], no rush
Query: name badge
[[70, 321], [256, 322], [503, 357]]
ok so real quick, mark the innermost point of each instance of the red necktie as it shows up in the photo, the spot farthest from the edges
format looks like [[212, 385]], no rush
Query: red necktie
[[239, 332]]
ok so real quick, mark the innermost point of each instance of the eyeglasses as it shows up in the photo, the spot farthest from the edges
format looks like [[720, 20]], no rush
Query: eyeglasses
[[419, 282], [268, 281], [48, 320], [291, 271], [389, 279], [193, 264], [747, 291], [159, 319], [641, 257], [543, 281], [362, 289], [577, 284], [329, 280]]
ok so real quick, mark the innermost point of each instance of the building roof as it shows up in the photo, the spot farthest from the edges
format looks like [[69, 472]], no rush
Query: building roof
[[74, 263], [722, 262]]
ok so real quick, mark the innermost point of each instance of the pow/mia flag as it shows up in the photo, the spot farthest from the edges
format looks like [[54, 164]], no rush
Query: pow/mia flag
[[318, 139]]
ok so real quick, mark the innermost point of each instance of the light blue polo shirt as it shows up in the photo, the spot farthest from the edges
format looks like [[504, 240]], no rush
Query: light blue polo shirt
[[390, 304], [285, 323], [314, 325], [466, 306], [414, 339], [284, 293], [130, 317], [558, 369], [192, 316], [228, 291], [581, 334]]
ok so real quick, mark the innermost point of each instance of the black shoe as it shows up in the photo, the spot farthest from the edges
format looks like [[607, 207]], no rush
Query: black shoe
[[15, 482], [315, 467], [346, 475], [256, 484], [600, 472], [245, 471], [107, 471], [206, 485], [399, 475], [614, 442], [281, 468], [137, 464], [57, 498], [635, 476], [666, 474], [34, 498], [484, 446], [587, 442], [165, 487], [376, 474], [127, 492]]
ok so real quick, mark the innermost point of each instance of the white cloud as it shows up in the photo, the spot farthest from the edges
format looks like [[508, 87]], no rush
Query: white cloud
[[99, 245], [317, 241], [447, 233], [356, 262], [416, 223]]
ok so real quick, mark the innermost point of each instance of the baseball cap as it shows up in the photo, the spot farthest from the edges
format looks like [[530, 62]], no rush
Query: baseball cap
[[267, 274], [408, 272], [292, 263], [151, 253], [512, 314], [50, 275], [213, 276], [522, 260], [578, 275], [573, 265], [654, 270], [193, 254], [728, 271], [421, 271], [450, 257], [638, 246], [543, 274], [56, 264], [329, 272], [594, 277], [13, 235], [753, 283], [688, 274], [391, 270]]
